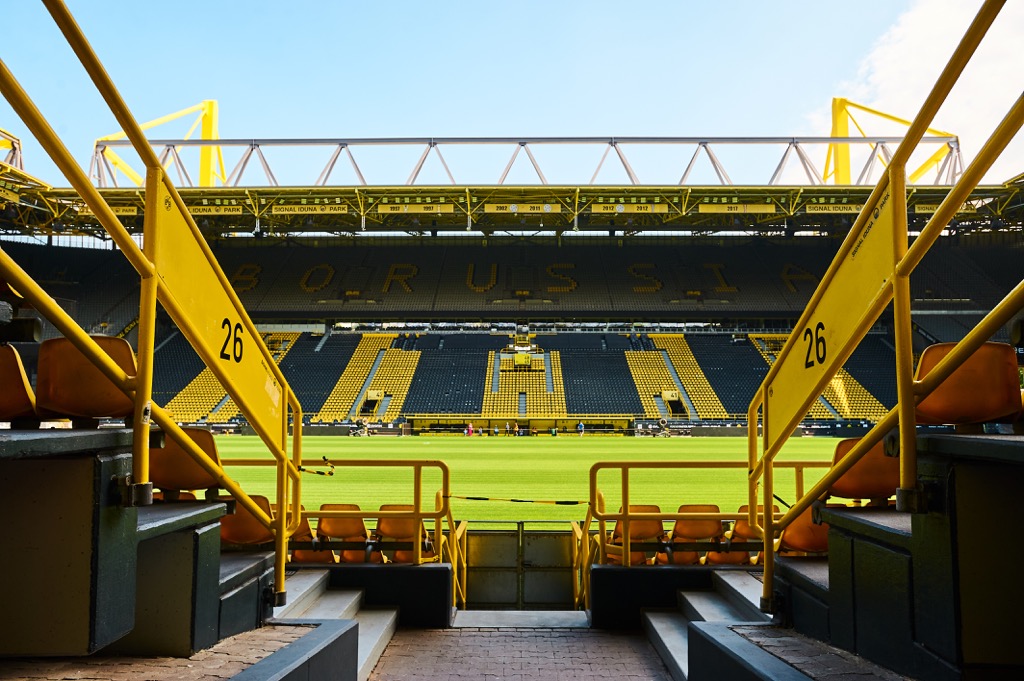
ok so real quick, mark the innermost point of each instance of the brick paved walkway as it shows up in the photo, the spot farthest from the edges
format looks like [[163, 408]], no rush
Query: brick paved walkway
[[222, 661], [471, 654]]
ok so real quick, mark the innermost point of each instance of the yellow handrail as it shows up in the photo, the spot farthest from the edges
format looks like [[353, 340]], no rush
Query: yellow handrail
[[582, 555], [897, 289], [153, 288], [454, 544]]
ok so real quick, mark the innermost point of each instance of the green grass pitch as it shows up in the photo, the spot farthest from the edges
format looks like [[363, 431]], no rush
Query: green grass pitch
[[537, 468]]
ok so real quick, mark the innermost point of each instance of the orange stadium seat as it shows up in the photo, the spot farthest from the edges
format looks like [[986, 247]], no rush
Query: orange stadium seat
[[986, 387], [171, 469], [639, 531], [875, 477], [68, 385], [305, 534], [17, 401], [741, 532], [689, 531], [241, 527], [403, 530], [348, 530], [804, 536]]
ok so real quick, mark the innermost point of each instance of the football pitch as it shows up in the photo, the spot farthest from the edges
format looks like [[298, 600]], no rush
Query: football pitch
[[539, 469]]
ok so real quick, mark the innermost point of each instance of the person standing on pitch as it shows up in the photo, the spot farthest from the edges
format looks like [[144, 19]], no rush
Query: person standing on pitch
[[508, 429], [579, 427]]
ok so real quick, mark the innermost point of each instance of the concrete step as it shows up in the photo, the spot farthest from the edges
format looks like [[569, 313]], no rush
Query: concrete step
[[521, 619], [709, 606], [303, 587], [743, 590], [667, 632], [376, 627], [334, 604]]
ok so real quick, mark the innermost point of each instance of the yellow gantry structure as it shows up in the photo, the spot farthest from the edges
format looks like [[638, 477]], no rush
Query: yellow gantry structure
[[106, 163], [837, 162]]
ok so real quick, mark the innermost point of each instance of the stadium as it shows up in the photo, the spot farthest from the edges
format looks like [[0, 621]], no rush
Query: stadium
[[347, 410]]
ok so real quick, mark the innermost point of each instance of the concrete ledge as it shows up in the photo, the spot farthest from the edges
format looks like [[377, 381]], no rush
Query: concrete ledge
[[327, 653], [717, 652]]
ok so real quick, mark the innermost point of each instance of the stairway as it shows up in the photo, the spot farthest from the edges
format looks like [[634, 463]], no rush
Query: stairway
[[310, 599], [723, 634], [734, 599]]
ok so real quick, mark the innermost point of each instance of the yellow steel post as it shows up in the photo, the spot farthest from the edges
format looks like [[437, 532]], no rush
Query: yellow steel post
[[208, 132], [417, 496], [279, 525], [146, 345], [840, 152], [624, 510], [769, 541], [753, 472], [906, 495]]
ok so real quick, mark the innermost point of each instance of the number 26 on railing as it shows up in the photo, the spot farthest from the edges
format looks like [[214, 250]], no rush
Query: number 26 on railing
[[816, 349], [232, 337]]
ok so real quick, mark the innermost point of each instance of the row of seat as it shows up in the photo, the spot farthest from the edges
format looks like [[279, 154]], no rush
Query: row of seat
[[985, 388], [176, 475], [68, 385], [873, 479]]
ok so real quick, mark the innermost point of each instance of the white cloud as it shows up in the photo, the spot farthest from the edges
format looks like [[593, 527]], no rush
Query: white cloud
[[905, 62]]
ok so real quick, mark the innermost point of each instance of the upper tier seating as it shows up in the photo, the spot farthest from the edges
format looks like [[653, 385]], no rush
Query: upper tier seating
[[448, 382], [175, 365], [599, 382], [508, 278], [734, 369]]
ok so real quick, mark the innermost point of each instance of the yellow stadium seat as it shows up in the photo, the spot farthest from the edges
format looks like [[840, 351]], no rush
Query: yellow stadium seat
[[348, 530], [639, 531], [305, 534], [986, 387], [403, 530], [689, 531], [171, 469], [17, 401], [741, 532], [68, 385]]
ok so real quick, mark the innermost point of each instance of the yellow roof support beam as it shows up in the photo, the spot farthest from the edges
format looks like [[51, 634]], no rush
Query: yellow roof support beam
[[211, 160], [837, 161]]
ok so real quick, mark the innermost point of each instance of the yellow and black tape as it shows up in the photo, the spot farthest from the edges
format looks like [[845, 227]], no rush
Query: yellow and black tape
[[329, 472], [522, 501]]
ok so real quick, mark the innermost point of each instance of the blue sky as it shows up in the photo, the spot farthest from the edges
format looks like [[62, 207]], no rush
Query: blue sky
[[306, 69]]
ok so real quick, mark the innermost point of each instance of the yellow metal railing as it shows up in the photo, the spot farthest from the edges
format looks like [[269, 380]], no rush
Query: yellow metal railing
[[272, 426], [452, 542], [589, 546], [815, 351]]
